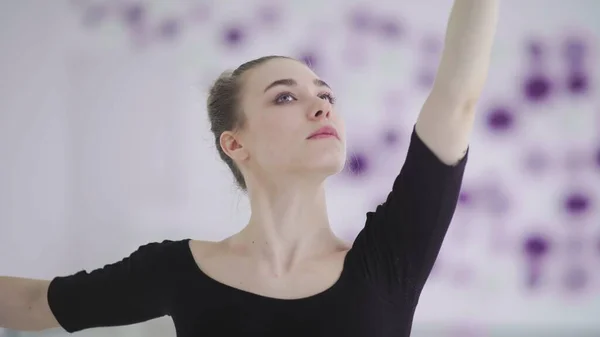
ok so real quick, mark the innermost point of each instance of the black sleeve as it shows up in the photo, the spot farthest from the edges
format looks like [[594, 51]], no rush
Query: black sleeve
[[136, 289], [400, 242]]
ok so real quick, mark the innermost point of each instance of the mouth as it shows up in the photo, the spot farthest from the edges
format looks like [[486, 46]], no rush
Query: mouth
[[324, 132]]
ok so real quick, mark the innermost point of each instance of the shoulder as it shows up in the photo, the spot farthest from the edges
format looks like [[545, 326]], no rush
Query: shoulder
[[162, 248], [166, 254], [202, 250]]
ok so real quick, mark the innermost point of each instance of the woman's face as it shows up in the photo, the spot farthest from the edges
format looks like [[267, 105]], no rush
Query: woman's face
[[284, 103]]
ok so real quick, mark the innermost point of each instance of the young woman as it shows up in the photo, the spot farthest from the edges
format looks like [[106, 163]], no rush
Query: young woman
[[285, 273]]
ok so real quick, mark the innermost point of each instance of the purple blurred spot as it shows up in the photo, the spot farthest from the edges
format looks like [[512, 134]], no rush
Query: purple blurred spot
[[269, 14], [577, 203], [597, 159], [390, 28], [537, 88], [536, 246], [578, 83], [361, 20], [134, 14], [535, 50], [534, 275], [536, 161], [391, 137], [425, 78], [94, 15], [575, 50], [464, 198], [500, 119], [200, 13], [309, 59], [575, 278], [357, 164], [432, 45], [234, 36], [169, 28]]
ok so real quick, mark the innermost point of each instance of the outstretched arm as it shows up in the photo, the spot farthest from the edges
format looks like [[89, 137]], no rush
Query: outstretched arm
[[401, 240], [133, 290], [446, 120]]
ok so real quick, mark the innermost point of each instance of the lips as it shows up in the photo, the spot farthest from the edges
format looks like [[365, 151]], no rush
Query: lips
[[326, 131]]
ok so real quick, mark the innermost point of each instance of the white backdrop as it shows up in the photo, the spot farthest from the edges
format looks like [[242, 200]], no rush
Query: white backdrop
[[105, 143]]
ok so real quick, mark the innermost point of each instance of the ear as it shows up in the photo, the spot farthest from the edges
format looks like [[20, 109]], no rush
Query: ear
[[232, 146]]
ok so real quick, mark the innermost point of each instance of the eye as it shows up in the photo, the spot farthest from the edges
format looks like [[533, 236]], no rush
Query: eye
[[328, 96], [284, 98]]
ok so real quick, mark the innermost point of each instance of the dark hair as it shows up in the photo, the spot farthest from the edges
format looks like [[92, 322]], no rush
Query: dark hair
[[224, 111]]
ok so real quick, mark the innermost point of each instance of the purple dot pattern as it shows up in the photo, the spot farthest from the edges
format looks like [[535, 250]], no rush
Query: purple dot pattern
[[391, 137], [390, 29], [357, 164], [537, 88], [577, 203], [575, 279], [169, 28], [500, 119], [517, 180], [134, 14], [578, 83], [233, 36], [536, 246]]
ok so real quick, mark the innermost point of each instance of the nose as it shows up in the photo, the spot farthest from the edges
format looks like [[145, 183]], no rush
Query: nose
[[320, 114], [321, 111]]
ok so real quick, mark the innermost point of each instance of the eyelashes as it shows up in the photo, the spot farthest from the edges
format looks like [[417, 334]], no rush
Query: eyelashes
[[329, 97], [287, 97]]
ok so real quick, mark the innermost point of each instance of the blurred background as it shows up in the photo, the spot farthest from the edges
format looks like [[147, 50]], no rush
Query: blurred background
[[105, 143]]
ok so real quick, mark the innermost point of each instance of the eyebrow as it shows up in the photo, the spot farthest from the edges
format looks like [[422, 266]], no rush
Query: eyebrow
[[291, 83]]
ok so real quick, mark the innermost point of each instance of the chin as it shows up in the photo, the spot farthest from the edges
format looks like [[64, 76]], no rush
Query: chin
[[328, 166]]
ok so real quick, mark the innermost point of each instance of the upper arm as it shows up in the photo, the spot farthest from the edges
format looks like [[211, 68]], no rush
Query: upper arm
[[400, 242], [445, 125], [135, 289]]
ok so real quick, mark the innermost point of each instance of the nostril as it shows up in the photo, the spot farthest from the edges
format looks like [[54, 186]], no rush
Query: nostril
[[318, 113]]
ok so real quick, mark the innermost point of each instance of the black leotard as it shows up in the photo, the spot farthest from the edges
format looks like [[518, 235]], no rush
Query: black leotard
[[375, 296]]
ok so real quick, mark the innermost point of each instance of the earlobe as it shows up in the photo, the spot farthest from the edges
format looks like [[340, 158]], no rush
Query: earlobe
[[232, 146]]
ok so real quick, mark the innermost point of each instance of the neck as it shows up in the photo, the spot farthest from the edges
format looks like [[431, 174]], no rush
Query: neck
[[287, 225]]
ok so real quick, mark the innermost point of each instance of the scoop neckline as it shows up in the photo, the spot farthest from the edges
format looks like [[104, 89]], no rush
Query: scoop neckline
[[249, 294]]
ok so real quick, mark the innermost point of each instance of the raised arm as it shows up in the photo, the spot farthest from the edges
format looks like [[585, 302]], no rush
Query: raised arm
[[397, 249], [446, 120]]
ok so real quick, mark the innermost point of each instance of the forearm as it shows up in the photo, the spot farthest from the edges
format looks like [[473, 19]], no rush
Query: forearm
[[467, 49], [21, 306]]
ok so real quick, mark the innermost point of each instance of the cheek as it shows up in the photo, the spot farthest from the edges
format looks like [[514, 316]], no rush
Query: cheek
[[277, 134], [284, 124]]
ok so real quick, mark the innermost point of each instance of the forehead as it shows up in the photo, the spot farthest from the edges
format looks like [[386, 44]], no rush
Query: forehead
[[273, 70]]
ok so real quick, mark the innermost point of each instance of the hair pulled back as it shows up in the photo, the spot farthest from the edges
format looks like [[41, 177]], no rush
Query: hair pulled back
[[225, 112]]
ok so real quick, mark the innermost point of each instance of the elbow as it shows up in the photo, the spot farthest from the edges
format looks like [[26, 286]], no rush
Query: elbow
[[24, 307]]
